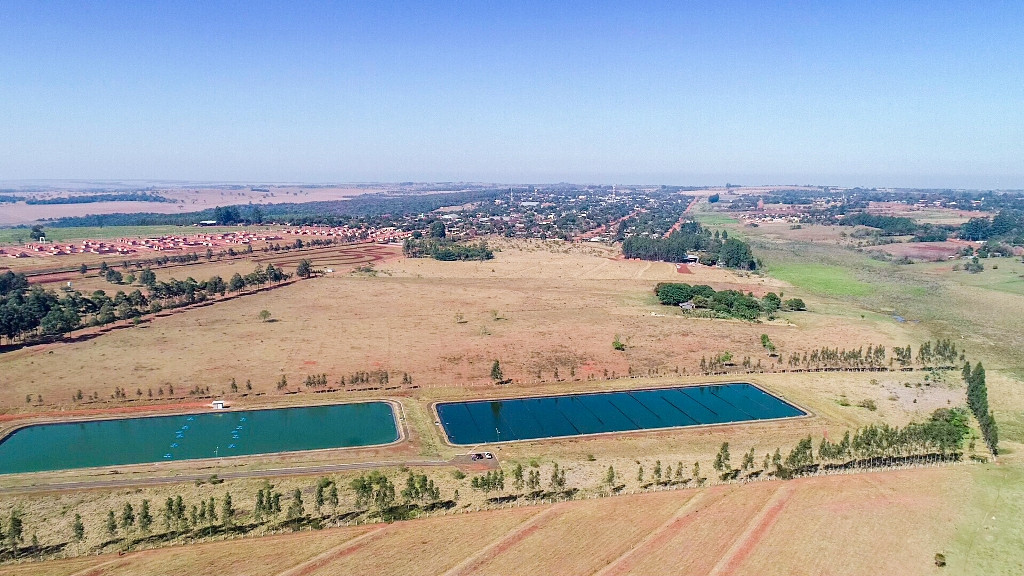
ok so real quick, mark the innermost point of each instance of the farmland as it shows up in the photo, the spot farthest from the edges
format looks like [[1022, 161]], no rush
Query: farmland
[[549, 311], [905, 517]]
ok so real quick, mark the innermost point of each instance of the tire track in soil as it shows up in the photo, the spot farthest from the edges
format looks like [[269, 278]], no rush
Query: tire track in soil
[[472, 564], [661, 535], [340, 551], [751, 536]]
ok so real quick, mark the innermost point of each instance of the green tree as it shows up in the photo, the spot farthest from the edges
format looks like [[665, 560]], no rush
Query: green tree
[[318, 500], [609, 477], [14, 529], [496, 374], [264, 315], [748, 459], [304, 269], [437, 229], [795, 304], [557, 478], [332, 496], [517, 476], [168, 513], [127, 516], [722, 459], [78, 528], [736, 254], [145, 519], [236, 283], [111, 523], [227, 511]]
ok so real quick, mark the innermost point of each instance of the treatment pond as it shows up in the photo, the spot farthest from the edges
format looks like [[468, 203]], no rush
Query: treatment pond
[[207, 435], [485, 421]]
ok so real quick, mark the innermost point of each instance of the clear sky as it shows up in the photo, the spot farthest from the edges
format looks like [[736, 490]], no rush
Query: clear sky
[[847, 93]]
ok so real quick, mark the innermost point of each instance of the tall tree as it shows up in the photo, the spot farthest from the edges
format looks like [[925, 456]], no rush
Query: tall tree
[[78, 528], [145, 519], [127, 516]]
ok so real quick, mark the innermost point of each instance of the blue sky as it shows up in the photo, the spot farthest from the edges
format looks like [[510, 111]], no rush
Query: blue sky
[[848, 93]]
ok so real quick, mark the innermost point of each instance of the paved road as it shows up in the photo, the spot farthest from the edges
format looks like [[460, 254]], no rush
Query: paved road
[[461, 460]]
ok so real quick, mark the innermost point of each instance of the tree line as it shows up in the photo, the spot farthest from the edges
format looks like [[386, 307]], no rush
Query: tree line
[[28, 312], [1007, 224], [691, 239], [977, 401]]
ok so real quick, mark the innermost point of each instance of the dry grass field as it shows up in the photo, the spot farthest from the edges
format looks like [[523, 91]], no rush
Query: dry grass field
[[873, 523], [549, 312], [535, 310]]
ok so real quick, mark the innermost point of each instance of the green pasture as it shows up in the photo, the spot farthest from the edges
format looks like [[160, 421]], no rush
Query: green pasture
[[823, 279], [714, 219]]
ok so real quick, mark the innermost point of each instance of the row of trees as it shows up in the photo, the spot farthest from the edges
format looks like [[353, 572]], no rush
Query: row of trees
[[942, 354], [28, 312], [1007, 224], [977, 401], [691, 238], [942, 434]]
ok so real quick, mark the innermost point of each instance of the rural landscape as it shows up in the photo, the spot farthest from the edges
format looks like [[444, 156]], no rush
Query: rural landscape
[[429, 288], [527, 293]]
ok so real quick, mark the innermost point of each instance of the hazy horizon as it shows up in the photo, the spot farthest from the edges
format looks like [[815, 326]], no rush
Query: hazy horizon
[[923, 95]]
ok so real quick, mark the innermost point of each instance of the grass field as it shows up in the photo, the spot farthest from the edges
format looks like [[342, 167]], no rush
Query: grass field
[[903, 517], [822, 279], [549, 312]]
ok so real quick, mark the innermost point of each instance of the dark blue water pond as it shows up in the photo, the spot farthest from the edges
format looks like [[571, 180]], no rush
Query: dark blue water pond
[[572, 415], [207, 435]]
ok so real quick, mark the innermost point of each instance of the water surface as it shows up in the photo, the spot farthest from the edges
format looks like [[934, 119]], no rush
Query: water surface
[[207, 435], [577, 414]]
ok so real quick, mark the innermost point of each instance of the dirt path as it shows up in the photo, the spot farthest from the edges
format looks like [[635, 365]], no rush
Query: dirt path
[[100, 568], [755, 530], [655, 539], [472, 564], [341, 550], [640, 273], [603, 228], [682, 218]]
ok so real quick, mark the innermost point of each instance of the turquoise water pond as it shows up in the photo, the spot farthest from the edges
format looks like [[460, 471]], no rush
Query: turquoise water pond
[[207, 435], [578, 414]]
